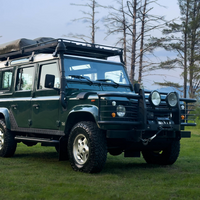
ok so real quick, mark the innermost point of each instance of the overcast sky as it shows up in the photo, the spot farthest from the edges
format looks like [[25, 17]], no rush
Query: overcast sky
[[49, 18]]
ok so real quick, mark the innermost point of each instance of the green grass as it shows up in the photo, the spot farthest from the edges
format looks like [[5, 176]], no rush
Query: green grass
[[36, 173]]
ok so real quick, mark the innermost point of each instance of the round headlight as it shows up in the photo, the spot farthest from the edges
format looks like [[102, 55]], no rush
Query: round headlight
[[121, 111], [155, 98], [172, 99]]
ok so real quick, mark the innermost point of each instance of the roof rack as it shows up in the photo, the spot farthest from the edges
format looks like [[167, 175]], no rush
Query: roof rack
[[72, 48]]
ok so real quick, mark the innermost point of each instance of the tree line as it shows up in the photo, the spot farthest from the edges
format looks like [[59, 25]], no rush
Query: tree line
[[132, 21]]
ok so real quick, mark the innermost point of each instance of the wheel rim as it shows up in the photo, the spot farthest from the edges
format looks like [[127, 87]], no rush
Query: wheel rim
[[1, 139], [81, 149]]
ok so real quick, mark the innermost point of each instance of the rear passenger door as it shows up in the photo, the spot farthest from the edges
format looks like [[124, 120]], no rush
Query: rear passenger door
[[45, 103], [21, 104]]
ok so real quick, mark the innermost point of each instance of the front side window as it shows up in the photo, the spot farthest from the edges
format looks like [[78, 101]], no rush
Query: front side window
[[25, 78], [52, 69], [6, 80]]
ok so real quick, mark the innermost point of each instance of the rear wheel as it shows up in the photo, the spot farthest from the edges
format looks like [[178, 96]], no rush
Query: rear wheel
[[163, 157], [7, 141], [87, 148]]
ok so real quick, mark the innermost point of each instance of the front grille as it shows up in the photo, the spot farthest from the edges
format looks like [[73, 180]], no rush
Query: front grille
[[159, 111], [106, 109]]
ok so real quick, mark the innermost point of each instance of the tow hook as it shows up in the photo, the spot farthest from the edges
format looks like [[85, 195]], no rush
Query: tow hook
[[146, 141]]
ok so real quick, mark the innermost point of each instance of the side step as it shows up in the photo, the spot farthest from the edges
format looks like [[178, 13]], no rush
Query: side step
[[34, 139]]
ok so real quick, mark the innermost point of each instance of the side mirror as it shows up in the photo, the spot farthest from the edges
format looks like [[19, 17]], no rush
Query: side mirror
[[137, 87], [49, 81]]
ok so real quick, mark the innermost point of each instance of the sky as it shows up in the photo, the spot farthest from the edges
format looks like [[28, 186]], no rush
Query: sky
[[49, 18]]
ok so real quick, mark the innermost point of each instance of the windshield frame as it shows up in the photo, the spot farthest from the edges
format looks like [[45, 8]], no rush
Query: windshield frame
[[128, 84]]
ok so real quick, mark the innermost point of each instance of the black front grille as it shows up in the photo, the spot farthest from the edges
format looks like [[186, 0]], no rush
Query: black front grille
[[159, 111], [106, 110]]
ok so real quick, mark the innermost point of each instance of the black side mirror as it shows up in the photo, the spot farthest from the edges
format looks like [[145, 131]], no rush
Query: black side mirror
[[137, 87], [49, 81]]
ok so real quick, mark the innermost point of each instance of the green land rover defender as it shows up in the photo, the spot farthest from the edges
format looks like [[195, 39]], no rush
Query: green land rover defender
[[68, 94]]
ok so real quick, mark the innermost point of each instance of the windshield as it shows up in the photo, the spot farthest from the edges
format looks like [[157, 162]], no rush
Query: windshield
[[95, 70]]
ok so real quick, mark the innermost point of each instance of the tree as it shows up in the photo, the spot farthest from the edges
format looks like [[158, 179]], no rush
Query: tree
[[149, 22], [133, 22], [132, 7], [194, 58], [116, 23], [186, 45], [90, 18]]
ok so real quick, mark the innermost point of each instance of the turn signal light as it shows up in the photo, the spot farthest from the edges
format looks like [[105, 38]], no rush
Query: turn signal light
[[93, 100], [182, 117], [113, 114]]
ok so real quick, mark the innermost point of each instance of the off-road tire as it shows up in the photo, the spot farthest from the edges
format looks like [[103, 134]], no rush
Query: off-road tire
[[7, 141], [165, 157], [94, 142]]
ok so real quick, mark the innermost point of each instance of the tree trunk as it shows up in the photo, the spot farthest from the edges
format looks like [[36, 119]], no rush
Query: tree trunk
[[93, 24], [142, 43], [124, 33], [133, 49], [185, 52], [192, 52]]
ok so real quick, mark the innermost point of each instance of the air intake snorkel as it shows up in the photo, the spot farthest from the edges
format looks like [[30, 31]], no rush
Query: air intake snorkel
[[60, 49]]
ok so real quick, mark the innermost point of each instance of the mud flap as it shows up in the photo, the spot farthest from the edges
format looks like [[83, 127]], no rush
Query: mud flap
[[63, 153]]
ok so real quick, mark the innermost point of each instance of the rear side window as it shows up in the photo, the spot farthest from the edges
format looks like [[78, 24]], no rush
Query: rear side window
[[6, 80], [25, 78]]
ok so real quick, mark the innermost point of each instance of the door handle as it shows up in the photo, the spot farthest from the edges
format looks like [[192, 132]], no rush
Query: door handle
[[14, 106], [36, 106]]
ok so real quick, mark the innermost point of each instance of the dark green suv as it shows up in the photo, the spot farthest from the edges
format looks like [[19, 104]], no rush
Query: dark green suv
[[67, 94]]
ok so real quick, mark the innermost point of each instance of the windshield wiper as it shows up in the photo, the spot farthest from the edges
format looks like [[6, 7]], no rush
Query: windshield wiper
[[105, 80], [81, 77]]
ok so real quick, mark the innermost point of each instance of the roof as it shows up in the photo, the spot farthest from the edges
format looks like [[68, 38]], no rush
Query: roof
[[25, 47]]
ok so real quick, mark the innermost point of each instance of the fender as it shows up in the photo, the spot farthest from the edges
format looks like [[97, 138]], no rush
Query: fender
[[6, 114], [92, 109]]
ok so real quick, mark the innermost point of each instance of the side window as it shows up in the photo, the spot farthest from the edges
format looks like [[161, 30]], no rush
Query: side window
[[49, 69], [6, 80], [25, 78]]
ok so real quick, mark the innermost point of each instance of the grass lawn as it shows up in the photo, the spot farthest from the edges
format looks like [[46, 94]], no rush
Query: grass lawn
[[36, 173]]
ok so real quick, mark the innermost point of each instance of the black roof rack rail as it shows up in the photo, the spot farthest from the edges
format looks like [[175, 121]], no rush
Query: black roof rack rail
[[72, 48]]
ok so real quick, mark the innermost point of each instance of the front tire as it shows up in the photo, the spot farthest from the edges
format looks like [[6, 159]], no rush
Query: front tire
[[7, 141], [163, 157], [87, 148]]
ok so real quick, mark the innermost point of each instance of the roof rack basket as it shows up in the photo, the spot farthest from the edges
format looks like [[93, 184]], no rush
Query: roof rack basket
[[49, 45]]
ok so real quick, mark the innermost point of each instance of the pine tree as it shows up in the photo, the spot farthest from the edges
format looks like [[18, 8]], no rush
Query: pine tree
[[184, 39]]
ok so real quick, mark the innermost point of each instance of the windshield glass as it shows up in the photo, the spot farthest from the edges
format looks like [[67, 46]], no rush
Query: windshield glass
[[94, 70]]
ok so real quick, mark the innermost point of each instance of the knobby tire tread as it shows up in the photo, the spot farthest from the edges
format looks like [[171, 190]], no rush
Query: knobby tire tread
[[168, 156], [98, 148], [10, 144]]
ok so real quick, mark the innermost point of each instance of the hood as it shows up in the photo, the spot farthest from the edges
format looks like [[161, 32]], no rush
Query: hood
[[96, 94]]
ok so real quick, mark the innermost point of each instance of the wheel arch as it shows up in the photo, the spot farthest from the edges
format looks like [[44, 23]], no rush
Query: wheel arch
[[77, 116], [4, 114]]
